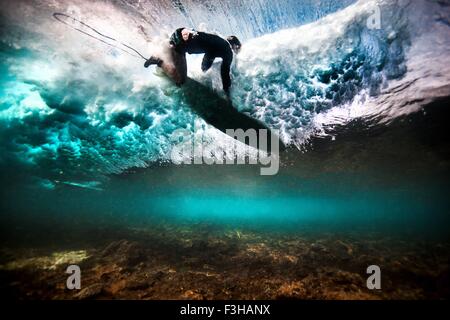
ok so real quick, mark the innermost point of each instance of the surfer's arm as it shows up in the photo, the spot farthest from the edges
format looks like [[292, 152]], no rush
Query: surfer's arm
[[176, 41]]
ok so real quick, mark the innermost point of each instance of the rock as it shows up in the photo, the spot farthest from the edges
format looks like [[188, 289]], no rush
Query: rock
[[138, 282], [342, 250], [292, 290], [192, 295], [123, 252], [110, 249], [318, 247], [90, 292]]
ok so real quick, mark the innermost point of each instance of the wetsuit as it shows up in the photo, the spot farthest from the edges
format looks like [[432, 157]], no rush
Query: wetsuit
[[212, 46]]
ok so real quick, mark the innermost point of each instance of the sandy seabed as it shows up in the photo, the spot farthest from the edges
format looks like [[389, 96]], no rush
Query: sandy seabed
[[209, 262]]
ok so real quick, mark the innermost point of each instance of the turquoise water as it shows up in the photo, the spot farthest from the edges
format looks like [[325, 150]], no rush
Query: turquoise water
[[391, 196], [86, 132]]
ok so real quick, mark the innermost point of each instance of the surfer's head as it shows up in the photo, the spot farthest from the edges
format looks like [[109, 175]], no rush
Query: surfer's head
[[186, 34], [235, 44], [179, 36]]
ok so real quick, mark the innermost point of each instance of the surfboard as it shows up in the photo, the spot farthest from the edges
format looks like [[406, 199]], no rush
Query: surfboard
[[220, 112]]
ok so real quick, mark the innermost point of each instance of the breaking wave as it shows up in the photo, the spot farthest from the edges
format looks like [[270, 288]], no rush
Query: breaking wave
[[73, 110]]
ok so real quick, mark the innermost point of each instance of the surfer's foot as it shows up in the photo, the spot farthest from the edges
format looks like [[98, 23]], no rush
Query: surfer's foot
[[153, 60]]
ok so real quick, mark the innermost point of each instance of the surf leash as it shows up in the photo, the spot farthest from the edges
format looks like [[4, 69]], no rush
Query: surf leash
[[97, 35]]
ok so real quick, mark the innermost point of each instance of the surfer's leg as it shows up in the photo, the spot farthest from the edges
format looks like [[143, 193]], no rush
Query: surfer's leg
[[207, 62], [225, 73], [181, 67], [175, 67]]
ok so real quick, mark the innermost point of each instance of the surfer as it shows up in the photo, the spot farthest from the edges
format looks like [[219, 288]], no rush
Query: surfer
[[193, 42]]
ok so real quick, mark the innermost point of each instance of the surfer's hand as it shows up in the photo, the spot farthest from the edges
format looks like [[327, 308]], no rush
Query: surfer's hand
[[147, 63]]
